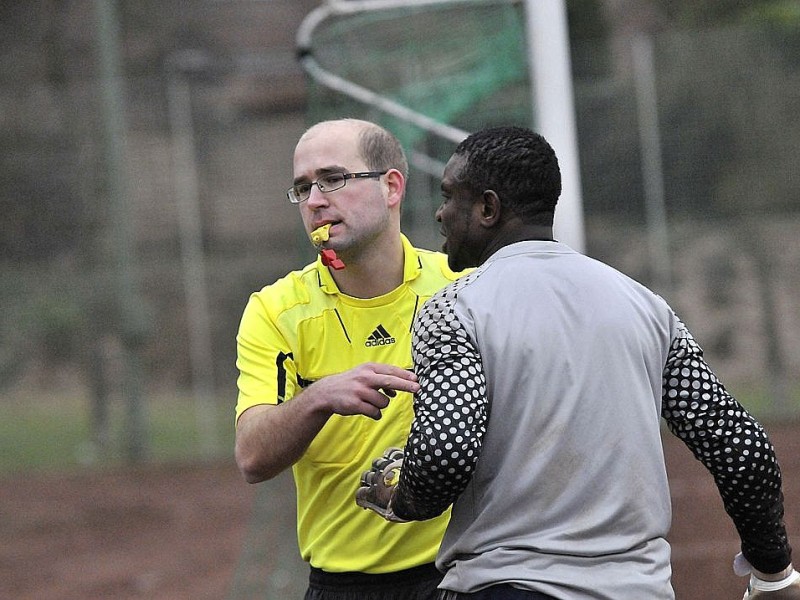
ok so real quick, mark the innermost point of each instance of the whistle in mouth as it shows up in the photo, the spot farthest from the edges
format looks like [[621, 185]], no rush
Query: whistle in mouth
[[320, 234]]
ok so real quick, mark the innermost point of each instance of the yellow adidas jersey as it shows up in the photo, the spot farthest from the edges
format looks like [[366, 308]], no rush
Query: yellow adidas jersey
[[301, 329]]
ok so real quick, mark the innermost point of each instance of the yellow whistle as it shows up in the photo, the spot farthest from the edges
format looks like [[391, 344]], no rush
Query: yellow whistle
[[320, 234]]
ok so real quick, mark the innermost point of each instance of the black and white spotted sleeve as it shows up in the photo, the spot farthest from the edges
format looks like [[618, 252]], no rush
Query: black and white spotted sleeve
[[450, 412], [733, 446]]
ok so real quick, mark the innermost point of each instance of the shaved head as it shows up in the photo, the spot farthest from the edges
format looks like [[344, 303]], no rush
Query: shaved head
[[379, 149]]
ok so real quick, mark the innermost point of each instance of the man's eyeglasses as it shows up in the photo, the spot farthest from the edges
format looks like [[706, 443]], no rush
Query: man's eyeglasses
[[327, 183]]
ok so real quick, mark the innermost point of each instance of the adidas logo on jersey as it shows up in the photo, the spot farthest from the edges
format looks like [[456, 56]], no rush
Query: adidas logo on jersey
[[379, 337]]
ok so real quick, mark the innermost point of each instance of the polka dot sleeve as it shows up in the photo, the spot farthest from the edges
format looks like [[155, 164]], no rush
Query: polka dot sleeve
[[450, 412], [732, 446]]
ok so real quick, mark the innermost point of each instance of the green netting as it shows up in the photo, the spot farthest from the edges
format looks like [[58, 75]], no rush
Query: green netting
[[462, 64]]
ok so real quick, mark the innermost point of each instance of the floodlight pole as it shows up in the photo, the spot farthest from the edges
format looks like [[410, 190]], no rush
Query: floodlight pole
[[554, 108]]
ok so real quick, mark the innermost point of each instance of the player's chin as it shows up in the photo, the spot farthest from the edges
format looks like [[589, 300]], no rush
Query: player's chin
[[454, 264], [454, 261]]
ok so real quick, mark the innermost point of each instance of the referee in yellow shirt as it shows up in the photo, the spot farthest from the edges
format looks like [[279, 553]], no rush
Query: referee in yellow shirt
[[324, 359]]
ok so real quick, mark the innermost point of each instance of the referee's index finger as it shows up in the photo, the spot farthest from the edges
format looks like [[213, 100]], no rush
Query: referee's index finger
[[384, 369], [405, 385]]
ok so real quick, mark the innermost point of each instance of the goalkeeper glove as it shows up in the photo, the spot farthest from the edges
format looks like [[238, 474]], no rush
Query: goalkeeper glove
[[379, 483]]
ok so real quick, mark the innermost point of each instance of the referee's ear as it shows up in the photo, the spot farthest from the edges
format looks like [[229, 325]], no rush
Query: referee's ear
[[395, 187]]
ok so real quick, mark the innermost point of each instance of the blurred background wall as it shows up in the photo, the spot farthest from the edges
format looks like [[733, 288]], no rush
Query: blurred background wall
[[145, 147]]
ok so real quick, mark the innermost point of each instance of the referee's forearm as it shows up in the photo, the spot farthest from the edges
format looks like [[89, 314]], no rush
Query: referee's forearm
[[271, 438]]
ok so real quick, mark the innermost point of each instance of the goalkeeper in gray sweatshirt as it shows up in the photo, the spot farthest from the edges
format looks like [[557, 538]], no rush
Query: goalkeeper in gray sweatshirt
[[544, 377]]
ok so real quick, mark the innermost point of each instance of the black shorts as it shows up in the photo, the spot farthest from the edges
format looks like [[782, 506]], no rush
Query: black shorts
[[418, 583]]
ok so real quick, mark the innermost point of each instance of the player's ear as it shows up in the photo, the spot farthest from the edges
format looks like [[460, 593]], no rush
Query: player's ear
[[490, 208]]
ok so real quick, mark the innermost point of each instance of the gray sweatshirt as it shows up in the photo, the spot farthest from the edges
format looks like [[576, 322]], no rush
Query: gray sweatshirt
[[544, 377]]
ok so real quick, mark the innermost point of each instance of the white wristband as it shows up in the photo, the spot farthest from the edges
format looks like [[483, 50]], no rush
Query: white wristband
[[774, 586]]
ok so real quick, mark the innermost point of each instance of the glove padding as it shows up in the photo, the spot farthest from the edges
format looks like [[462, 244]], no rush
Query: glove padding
[[379, 483], [768, 586]]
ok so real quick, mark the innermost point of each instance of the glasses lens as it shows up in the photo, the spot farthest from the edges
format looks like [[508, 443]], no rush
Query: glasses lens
[[328, 183], [299, 192]]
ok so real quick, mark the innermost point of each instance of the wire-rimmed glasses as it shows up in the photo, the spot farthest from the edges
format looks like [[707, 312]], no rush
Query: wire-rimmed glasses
[[300, 192]]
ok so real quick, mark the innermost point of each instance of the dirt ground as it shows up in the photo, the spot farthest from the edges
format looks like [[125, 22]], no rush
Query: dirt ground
[[199, 532]]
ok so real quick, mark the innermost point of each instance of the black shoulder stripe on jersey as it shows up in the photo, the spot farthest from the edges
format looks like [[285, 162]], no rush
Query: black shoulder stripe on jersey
[[279, 360], [301, 381], [414, 314], [338, 316]]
